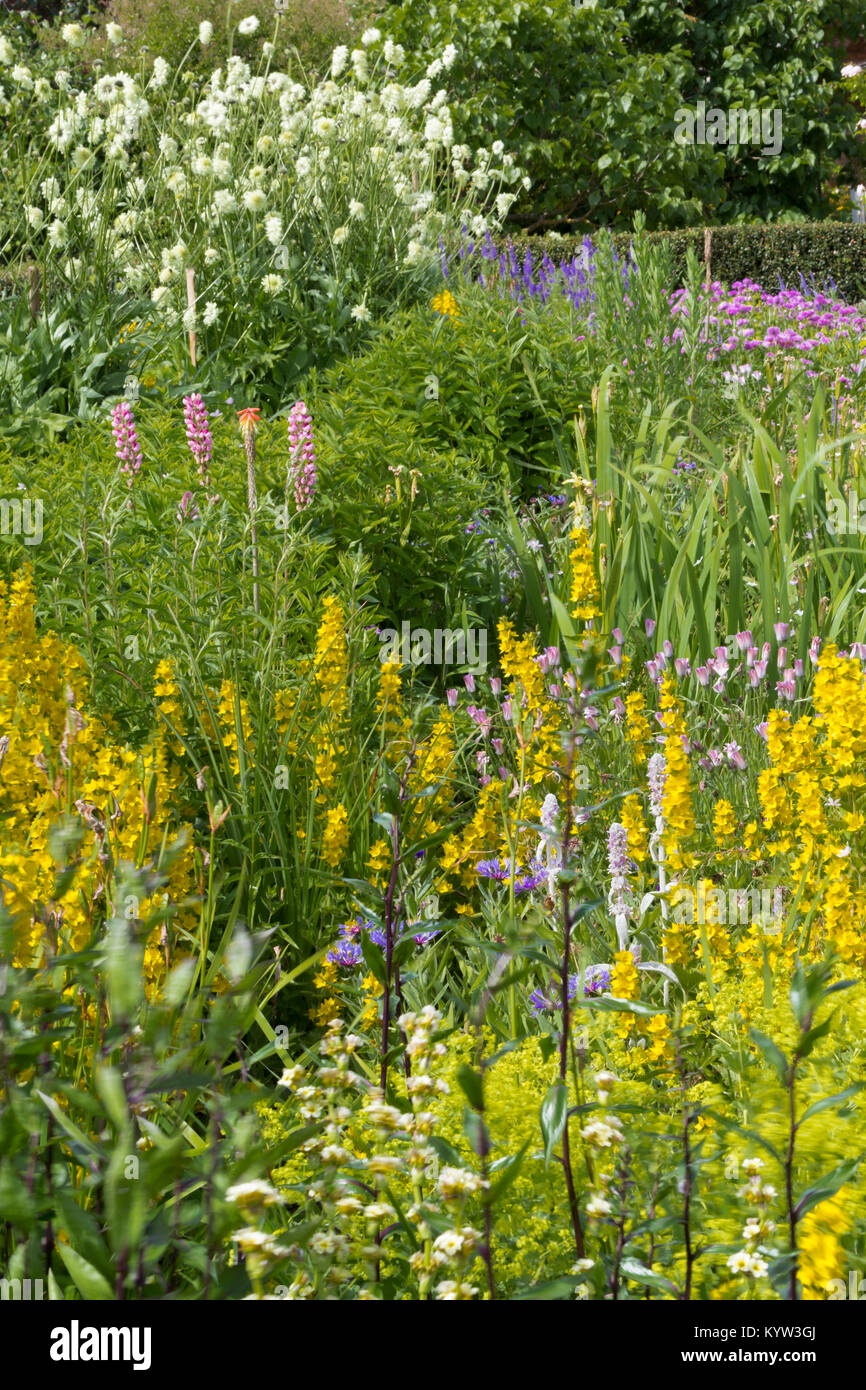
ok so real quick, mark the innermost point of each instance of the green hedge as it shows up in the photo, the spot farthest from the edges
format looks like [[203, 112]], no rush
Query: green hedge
[[819, 251]]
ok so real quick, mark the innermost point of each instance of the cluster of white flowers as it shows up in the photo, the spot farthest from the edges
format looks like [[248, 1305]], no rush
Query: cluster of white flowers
[[750, 1260], [335, 159]]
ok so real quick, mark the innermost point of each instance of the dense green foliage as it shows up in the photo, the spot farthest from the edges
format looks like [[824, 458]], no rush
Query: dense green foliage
[[587, 96]]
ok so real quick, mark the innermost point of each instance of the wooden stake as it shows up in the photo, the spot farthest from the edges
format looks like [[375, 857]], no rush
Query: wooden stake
[[190, 299], [35, 292]]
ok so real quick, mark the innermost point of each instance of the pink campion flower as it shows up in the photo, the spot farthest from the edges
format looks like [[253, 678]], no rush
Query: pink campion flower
[[618, 710], [650, 626], [751, 657], [782, 656], [451, 696], [302, 468], [495, 685], [703, 675], [814, 649], [683, 666], [781, 630], [469, 682], [735, 755], [481, 718], [744, 640], [126, 443], [786, 688], [761, 730], [615, 654]]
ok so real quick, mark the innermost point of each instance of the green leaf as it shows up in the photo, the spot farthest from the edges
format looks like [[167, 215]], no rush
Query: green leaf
[[16, 1204], [374, 958], [554, 1109], [829, 1102], [475, 1130], [109, 1084], [508, 1170], [773, 1054], [88, 1281], [472, 1086], [553, 1289], [633, 1269], [808, 1040], [827, 1186]]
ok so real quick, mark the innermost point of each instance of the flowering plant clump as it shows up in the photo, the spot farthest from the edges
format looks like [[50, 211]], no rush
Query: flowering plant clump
[[434, 853], [290, 189]]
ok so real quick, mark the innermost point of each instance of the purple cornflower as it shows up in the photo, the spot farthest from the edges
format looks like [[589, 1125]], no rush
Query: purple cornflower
[[524, 879], [347, 954], [423, 938], [492, 868], [531, 878], [302, 468], [543, 1003], [596, 979], [127, 447]]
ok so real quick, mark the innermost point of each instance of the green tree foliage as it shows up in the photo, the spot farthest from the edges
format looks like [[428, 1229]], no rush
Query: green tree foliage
[[587, 96]]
